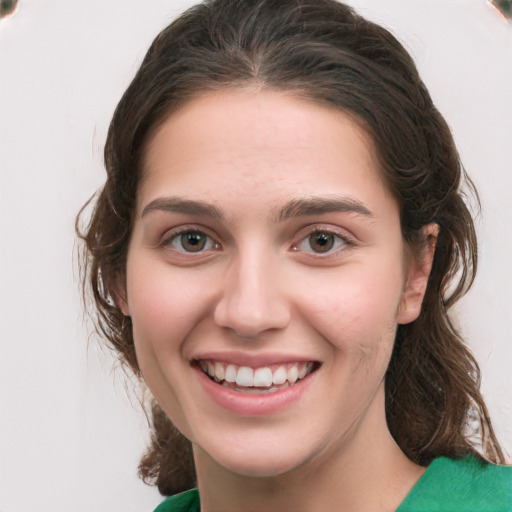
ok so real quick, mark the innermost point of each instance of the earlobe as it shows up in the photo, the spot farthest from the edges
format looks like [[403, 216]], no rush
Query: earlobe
[[122, 304], [120, 297], [418, 272]]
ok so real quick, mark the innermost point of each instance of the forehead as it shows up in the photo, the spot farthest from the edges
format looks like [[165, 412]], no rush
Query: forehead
[[269, 118], [258, 141]]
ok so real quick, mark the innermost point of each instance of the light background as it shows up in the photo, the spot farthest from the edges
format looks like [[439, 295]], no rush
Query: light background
[[70, 432]]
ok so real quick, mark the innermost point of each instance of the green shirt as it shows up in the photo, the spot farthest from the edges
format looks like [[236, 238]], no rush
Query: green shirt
[[463, 485]]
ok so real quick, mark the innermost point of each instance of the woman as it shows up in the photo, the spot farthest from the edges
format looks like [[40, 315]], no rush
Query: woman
[[274, 253]]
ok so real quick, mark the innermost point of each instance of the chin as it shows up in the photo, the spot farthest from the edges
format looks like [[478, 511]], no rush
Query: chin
[[256, 462], [262, 468]]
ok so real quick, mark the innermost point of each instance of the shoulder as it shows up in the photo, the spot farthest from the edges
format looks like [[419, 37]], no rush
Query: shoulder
[[448, 485], [184, 502], [468, 484]]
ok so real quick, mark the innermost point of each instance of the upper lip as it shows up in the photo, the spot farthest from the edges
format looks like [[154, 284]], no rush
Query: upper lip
[[252, 360]]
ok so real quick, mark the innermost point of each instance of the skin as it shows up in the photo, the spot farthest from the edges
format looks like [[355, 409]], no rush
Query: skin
[[233, 166]]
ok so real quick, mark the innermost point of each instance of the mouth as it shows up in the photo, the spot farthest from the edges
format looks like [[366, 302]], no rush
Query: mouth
[[259, 380]]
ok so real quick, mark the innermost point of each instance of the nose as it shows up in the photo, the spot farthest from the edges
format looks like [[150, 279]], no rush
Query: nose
[[253, 301]]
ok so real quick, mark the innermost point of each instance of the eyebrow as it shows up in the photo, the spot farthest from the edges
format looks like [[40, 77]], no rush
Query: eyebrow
[[302, 207], [186, 206], [299, 207]]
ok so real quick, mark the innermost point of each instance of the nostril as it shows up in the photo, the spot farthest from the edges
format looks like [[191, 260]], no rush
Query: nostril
[[249, 318]]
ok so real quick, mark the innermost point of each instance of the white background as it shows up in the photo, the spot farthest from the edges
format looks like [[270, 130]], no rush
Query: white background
[[70, 433]]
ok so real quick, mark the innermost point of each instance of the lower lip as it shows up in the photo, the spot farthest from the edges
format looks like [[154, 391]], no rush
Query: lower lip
[[247, 404]]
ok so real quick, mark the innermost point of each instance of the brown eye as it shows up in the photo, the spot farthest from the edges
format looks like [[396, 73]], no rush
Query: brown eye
[[321, 241], [192, 241]]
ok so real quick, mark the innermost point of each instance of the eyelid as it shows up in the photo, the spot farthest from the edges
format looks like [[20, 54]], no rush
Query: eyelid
[[173, 233], [348, 239]]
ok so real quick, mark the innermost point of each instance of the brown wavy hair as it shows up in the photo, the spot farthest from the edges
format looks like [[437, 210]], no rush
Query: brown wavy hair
[[321, 51]]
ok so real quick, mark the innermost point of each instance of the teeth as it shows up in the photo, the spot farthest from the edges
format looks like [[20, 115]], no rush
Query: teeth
[[263, 377], [292, 374], [255, 391], [245, 376], [219, 371], [230, 374], [279, 376]]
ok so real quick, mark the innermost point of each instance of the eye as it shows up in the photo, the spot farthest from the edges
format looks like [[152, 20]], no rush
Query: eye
[[321, 242], [192, 241]]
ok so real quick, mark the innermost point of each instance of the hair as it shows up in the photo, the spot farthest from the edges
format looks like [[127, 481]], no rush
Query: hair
[[320, 51]]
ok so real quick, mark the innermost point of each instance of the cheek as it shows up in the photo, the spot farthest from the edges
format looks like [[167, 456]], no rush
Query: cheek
[[164, 307], [356, 310]]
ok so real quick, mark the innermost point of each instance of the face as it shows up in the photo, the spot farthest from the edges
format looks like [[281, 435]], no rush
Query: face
[[266, 276]]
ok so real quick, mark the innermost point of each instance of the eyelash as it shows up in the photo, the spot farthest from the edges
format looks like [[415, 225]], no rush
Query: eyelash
[[176, 237], [339, 242]]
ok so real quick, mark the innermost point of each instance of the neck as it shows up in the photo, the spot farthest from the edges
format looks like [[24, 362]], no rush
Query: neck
[[369, 472]]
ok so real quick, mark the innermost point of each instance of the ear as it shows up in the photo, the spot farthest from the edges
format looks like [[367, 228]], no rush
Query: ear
[[418, 270], [120, 297]]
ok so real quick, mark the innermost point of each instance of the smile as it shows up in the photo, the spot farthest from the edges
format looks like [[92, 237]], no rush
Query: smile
[[266, 379]]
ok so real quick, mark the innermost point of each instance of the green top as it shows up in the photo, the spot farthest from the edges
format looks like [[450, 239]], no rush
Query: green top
[[463, 485]]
